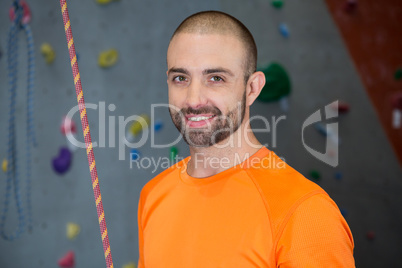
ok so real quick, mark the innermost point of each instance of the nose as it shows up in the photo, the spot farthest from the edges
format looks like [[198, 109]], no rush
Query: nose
[[195, 95]]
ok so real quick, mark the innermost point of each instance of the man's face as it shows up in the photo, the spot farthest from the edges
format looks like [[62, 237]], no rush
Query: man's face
[[206, 86]]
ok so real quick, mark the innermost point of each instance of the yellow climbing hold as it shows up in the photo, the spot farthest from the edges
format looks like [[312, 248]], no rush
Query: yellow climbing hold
[[104, 2], [47, 52], [130, 265], [72, 230], [138, 125], [4, 165], [108, 58]]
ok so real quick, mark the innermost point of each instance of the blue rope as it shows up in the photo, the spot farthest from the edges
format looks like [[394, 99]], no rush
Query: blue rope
[[31, 139], [12, 168]]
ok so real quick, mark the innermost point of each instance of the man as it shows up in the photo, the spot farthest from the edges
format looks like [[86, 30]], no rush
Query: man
[[232, 203]]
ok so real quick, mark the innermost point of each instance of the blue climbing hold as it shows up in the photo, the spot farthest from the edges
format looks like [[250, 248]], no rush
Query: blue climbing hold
[[134, 154], [158, 125], [344, 212], [338, 175], [284, 30]]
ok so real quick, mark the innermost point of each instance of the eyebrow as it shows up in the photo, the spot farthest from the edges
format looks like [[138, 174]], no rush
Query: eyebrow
[[205, 72], [217, 70], [178, 70]]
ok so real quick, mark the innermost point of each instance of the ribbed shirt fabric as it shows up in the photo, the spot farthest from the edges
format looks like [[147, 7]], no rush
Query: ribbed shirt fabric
[[260, 213]]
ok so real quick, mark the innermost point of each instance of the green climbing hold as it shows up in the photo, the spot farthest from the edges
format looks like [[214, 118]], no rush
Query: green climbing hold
[[277, 83], [315, 175], [173, 153], [277, 4], [398, 74]]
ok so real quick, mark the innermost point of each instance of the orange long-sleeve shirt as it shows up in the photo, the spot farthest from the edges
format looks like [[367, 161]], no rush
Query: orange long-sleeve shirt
[[260, 213]]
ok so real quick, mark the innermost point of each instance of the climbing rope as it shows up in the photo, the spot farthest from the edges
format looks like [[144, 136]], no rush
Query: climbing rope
[[12, 167], [87, 134]]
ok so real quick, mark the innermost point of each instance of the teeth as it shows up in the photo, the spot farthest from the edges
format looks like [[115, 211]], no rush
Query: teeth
[[199, 118]]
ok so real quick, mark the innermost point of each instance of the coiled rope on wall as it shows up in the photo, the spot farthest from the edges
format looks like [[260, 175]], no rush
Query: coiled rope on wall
[[24, 217]]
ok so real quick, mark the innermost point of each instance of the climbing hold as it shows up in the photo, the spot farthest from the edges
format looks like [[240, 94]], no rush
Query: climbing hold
[[158, 125], [173, 153], [315, 175], [396, 102], [47, 52], [108, 58], [69, 129], [137, 126], [67, 126], [370, 235], [26, 12], [338, 175], [284, 103], [396, 118], [327, 131], [4, 165], [321, 129], [104, 2], [140, 124], [344, 212], [284, 30], [398, 74], [130, 265], [341, 106], [134, 154], [72, 230], [62, 162], [67, 261], [350, 6], [277, 83], [277, 4]]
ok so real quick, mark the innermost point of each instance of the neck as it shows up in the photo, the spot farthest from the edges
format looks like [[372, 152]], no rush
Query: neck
[[208, 161]]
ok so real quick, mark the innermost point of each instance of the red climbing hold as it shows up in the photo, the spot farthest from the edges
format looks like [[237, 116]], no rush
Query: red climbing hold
[[396, 100], [350, 6], [26, 13], [370, 235], [68, 126], [68, 260], [341, 106]]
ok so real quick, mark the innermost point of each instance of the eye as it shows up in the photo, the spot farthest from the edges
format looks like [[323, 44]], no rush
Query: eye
[[179, 78], [216, 79]]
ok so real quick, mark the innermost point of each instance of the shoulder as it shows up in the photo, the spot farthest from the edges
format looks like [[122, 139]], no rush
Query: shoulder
[[315, 234], [276, 179], [281, 187], [305, 221]]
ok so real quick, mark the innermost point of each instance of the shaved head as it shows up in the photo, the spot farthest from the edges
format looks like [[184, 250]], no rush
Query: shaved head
[[216, 22]]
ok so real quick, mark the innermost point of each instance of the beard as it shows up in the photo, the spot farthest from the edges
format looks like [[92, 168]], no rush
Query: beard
[[217, 130]]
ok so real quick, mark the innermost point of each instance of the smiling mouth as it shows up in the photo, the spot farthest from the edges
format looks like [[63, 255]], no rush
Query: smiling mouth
[[199, 118]]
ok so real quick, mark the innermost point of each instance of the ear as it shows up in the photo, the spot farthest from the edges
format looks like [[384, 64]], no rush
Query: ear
[[254, 86]]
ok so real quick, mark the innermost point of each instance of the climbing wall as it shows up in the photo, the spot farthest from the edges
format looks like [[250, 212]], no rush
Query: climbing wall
[[301, 36]]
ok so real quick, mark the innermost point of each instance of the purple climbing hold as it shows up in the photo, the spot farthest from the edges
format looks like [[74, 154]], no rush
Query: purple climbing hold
[[62, 162]]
